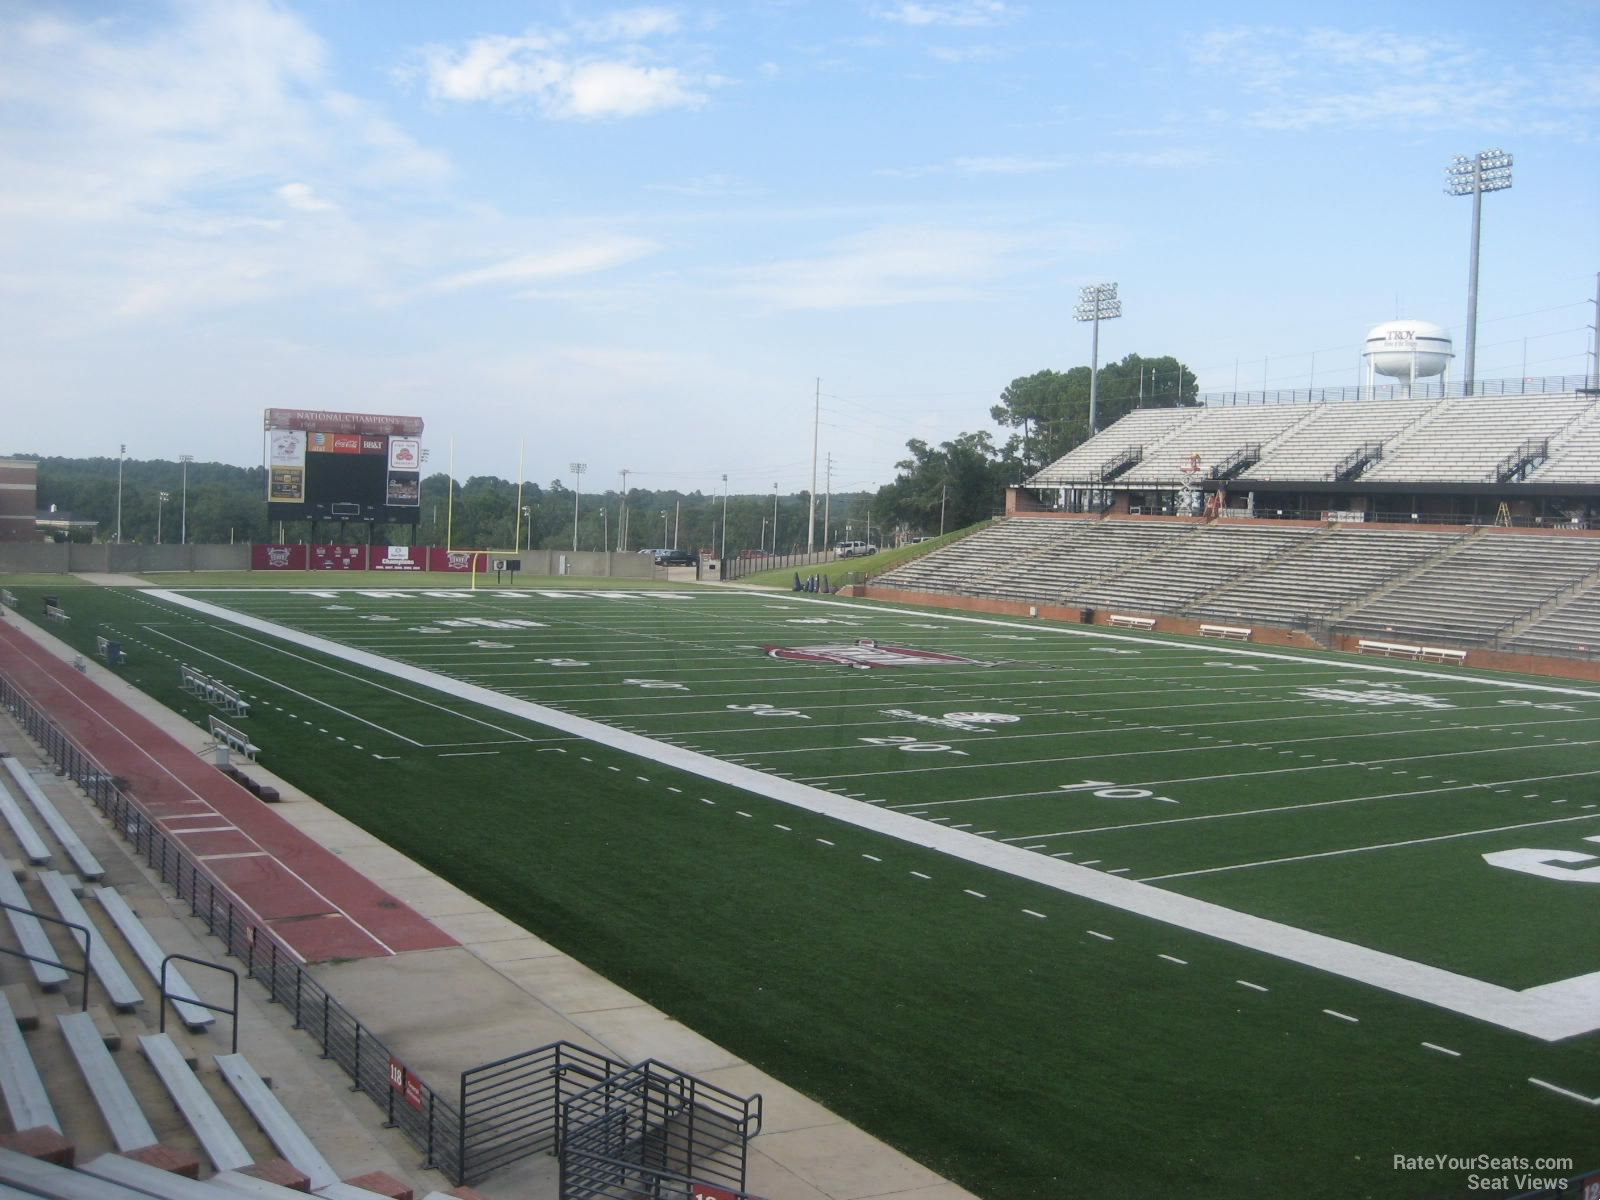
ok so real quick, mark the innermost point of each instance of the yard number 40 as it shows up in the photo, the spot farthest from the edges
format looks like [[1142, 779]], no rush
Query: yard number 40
[[1542, 862]]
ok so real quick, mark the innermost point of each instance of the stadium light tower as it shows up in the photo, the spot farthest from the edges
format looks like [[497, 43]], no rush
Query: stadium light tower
[[1486, 171], [577, 487], [183, 518], [161, 504], [723, 557], [1097, 302]]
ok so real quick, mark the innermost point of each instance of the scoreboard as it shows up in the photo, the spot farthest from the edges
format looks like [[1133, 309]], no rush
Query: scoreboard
[[343, 466]]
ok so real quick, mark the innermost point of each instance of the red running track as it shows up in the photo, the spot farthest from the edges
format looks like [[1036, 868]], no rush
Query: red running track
[[310, 898]]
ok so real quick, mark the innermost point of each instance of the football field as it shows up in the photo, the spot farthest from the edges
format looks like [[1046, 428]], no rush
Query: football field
[[1037, 903]]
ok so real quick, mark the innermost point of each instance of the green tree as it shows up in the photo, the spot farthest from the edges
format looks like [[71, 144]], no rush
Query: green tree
[[964, 480], [1050, 409]]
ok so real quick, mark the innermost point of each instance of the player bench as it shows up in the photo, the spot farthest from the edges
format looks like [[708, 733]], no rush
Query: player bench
[[8, 598], [233, 738], [1389, 649], [1235, 633], [213, 691], [54, 612], [1125, 621], [1443, 654], [110, 652]]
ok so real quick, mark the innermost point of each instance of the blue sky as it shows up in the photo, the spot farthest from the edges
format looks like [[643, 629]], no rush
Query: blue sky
[[636, 236]]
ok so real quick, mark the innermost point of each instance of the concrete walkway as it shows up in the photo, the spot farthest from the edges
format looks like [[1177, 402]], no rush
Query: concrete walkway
[[506, 990]]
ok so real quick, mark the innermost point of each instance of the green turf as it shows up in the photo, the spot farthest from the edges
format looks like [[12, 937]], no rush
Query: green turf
[[1023, 1056]]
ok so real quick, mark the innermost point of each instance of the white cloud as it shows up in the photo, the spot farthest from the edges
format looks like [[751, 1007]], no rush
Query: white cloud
[[582, 259], [705, 186], [1007, 165], [966, 13], [1322, 78], [629, 25], [892, 265], [564, 82], [301, 198]]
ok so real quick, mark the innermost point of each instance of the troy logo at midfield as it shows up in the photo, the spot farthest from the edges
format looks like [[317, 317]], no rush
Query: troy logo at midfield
[[865, 653]]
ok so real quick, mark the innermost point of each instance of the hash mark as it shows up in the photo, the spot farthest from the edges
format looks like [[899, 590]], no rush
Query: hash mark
[[920, 875], [1180, 961], [1105, 937], [1343, 1016], [1252, 986], [1040, 915], [872, 858], [1443, 1050], [970, 892]]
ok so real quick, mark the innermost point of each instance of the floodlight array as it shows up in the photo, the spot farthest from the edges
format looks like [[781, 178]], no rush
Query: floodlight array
[[1487, 171], [1098, 302]]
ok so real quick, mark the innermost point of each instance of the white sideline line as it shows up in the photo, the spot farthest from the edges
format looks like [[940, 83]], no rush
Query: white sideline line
[[1553, 1011]]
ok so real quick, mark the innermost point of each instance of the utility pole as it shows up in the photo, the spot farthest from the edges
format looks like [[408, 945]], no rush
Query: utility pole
[[811, 519], [578, 469], [122, 453], [774, 517], [827, 501], [722, 571], [943, 489], [622, 519]]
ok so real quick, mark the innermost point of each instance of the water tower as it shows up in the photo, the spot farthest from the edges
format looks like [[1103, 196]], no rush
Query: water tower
[[1408, 350]]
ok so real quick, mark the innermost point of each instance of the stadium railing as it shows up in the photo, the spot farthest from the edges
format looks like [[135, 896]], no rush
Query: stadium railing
[[465, 1133]]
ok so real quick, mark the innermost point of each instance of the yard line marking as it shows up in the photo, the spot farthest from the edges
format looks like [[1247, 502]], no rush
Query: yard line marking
[[785, 828], [1442, 837], [1117, 870], [1040, 846], [1104, 937], [920, 875], [1343, 1016], [1182, 962], [1593, 1102], [1089, 862], [741, 813], [1280, 808], [468, 753], [1551, 1012], [1040, 915], [1255, 987], [1443, 1050], [825, 841], [872, 858], [970, 892]]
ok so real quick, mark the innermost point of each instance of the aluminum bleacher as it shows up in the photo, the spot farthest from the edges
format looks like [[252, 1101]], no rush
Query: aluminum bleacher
[[1188, 567], [1315, 447], [1099, 549], [1492, 580], [1212, 440], [1324, 574], [1571, 626], [1465, 438], [965, 565], [1138, 432]]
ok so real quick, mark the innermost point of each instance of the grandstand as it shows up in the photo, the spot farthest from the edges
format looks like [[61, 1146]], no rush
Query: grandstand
[[1463, 521]]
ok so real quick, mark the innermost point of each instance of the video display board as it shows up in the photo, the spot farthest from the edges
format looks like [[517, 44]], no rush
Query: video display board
[[343, 466]]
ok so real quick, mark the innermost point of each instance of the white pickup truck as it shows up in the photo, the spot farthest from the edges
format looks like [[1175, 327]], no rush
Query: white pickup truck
[[854, 549]]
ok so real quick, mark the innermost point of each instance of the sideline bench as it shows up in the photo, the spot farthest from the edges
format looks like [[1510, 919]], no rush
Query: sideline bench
[[110, 652], [1128, 622], [88, 865], [233, 738], [8, 598], [216, 1136], [130, 1130], [1236, 633], [63, 891], [212, 691], [58, 614], [1417, 653], [184, 998]]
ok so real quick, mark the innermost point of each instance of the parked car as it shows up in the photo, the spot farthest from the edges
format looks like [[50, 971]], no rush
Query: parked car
[[676, 558], [854, 549], [753, 554]]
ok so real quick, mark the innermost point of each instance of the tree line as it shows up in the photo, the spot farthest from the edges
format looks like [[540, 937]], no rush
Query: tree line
[[936, 488]]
